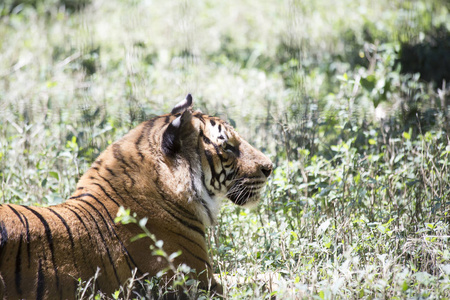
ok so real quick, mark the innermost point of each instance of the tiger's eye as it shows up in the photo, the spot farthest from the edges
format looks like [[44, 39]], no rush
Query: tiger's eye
[[229, 148]]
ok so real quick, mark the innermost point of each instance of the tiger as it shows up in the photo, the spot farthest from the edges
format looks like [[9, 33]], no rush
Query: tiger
[[174, 170]]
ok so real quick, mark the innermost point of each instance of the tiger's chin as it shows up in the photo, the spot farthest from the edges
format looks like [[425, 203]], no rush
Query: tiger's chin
[[247, 197]]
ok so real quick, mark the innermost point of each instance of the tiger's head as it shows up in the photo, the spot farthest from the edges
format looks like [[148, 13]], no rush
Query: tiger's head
[[227, 165]]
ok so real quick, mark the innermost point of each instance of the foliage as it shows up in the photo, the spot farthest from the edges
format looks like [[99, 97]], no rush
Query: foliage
[[358, 204]]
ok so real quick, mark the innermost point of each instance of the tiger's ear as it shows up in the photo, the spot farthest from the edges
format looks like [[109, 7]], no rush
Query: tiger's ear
[[183, 105], [173, 136]]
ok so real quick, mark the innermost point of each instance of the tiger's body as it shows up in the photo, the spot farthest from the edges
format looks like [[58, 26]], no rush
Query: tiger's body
[[173, 169]]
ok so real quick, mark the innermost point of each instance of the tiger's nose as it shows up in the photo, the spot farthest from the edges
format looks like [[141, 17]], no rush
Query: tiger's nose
[[267, 170]]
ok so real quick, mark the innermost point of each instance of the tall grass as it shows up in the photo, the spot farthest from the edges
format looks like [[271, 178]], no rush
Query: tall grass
[[358, 205]]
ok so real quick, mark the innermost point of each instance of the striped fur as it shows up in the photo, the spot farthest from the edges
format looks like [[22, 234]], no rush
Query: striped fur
[[173, 169]]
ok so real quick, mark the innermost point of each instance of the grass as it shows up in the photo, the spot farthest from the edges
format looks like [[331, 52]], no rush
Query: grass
[[358, 205]]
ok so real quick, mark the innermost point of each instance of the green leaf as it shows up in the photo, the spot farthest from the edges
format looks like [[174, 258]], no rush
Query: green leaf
[[137, 237], [361, 293], [51, 84], [294, 235], [406, 135], [398, 158], [405, 286], [369, 82], [174, 255], [429, 225], [159, 252], [54, 174]]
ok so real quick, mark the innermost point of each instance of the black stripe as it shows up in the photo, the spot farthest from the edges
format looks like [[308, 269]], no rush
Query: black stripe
[[4, 235], [106, 193], [183, 222], [197, 257], [214, 175], [48, 233], [104, 243], [18, 271], [200, 117], [145, 131], [208, 211], [206, 140], [210, 160], [69, 232], [118, 194], [79, 219], [95, 198], [98, 212], [68, 206], [108, 225], [138, 141], [132, 161], [229, 165], [178, 209], [117, 153], [198, 197], [192, 177], [151, 138], [17, 214], [28, 239], [230, 176], [182, 211], [217, 148], [110, 171], [40, 288], [3, 238], [210, 193], [213, 123], [188, 239], [133, 182]]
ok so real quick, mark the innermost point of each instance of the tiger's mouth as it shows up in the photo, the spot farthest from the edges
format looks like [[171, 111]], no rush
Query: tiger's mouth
[[246, 191]]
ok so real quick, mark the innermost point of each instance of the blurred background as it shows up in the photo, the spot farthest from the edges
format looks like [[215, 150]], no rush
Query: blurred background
[[350, 99]]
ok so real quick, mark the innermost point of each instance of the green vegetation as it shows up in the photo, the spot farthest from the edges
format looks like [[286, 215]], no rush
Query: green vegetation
[[346, 97]]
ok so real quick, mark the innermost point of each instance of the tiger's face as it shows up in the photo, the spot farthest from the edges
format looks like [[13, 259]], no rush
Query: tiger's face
[[232, 168], [221, 163]]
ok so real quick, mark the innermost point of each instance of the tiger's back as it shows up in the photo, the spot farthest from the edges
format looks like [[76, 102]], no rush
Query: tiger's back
[[172, 170], [44, 250]]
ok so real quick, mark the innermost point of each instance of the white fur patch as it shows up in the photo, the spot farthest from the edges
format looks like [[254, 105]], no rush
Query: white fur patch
[[218, 137], [212, 204]]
